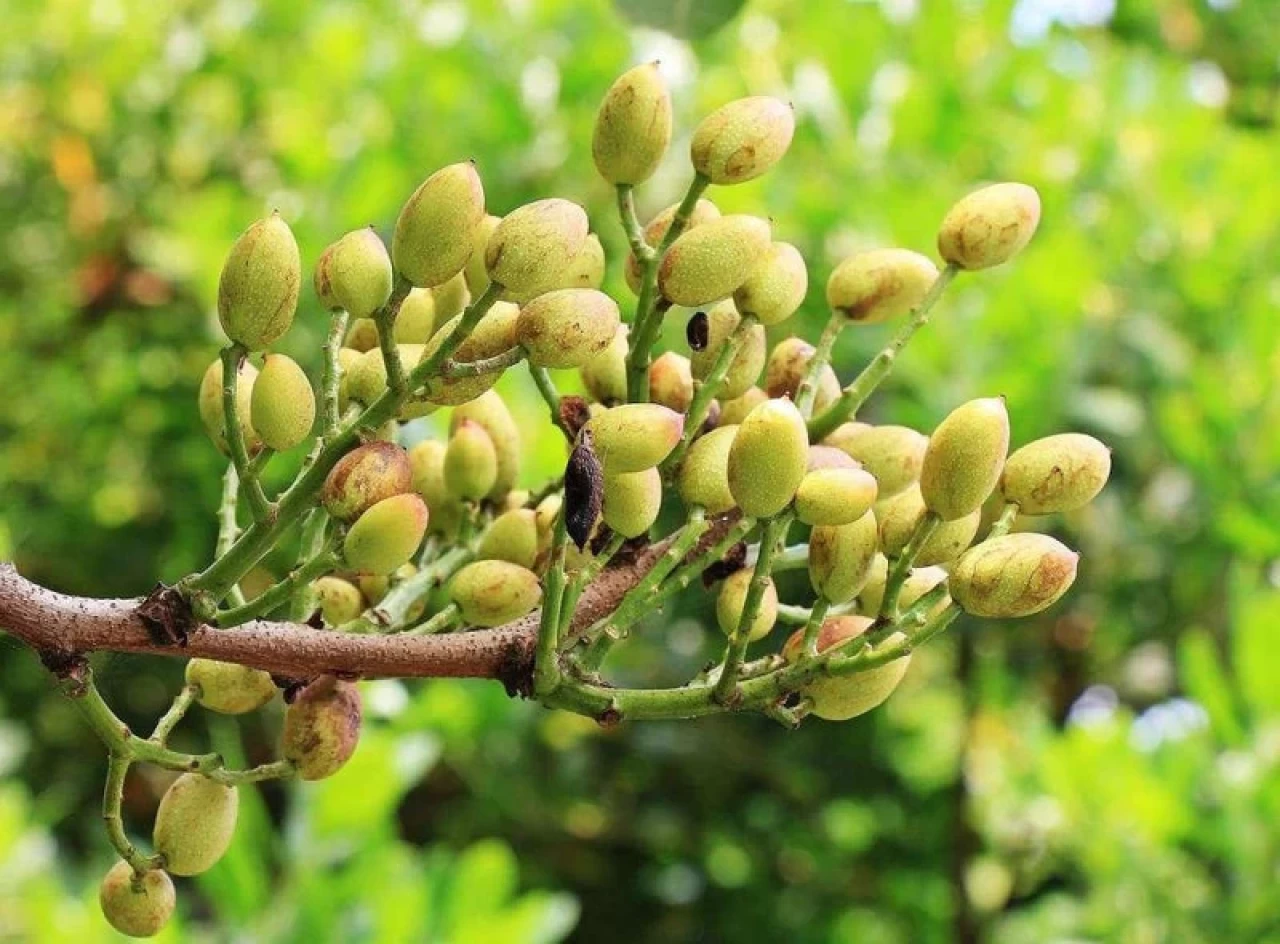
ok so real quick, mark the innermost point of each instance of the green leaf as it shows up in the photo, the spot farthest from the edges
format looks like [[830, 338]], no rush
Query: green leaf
[[1205, 680]]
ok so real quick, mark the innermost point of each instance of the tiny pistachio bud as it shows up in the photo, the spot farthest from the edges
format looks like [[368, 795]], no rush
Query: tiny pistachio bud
[[964, 459], [1013, 576], [1057, 473], [340, 600], [881, 284], [427, 463], [605, 374], [476, 271], [893, 454], [355, 274], [567, 327], [743, 139], [492, 335], [722, 321], [633, 126], [283, 404], [704, 474], [709, 262], [322, 727], [776, 286], [768, 457], [655, 231], [194, 823], [635, 436], [227, 688], [671, 382], [534, 245], [899, 516], [451, 298], [258, 288], [513, 537], [365, 476], [989, 226], [470, 461], [734, 411], [137, 907], [416, 320], [840, 557], [632, 501], [435, 234], [490, 411], [786, 368], [835, 496], [841, 697], [732, 600], [386, 535], [362, 335], [210, 406], [493, 592]]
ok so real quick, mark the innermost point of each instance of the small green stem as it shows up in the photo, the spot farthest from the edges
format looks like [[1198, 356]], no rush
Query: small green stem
[[705, 390], [393, 610], [811, 628], [444, 621], [775, 529], [112, 798], [385, 318], [228, 526], [314, 537], [331, 383], [546, 670], [1001, 526], [795, 557], [177, 711], [900, 566], [232, 357], [547, 388], [487, 365], [281, 592], [847, 406], [631, 224], [808, 388], [583, 578]]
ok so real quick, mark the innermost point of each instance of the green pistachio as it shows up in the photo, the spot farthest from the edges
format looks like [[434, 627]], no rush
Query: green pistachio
[[635, 436], [470, 461], [786, 368], [136, 907], [605, 374], [490, 411], [964, 459], [776, 286], [881, 284], [212, 414], [768, 457], [1013, 576], [436, 232], [899, 516], [322, 727], [732, 600], [671, 382], [633, 126], [492, 335], [365, 476], [711, 261], [493, 592], [534, 246], [704, 474], [840, 557], [283, 404], [194, 823], [655, 231], [893, 454], [567, 327], [258, 288], [452, 297], [632, 501], [227, 688], [477, 271], [513, 537], [734, 411], [416, 320], [355, 274], [742, 140], [387, 535], [722, 320], [989, 226], [835, 496], [1057, 473], [841, 697], [340, 600]]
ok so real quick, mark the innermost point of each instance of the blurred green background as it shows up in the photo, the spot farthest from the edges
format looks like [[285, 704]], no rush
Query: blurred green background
[[1109, 771]]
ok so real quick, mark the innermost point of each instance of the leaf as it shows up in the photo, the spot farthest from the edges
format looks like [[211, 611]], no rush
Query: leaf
[[1205, 680], [687, 19]]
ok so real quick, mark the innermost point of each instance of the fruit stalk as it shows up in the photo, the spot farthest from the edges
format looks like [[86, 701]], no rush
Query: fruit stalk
[[901, 566], [232, 356], [775, 529], [331, 382], [808, 388], [705, 390]]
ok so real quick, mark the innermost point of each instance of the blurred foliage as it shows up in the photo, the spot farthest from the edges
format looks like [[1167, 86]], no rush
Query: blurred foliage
[[1107, 773]]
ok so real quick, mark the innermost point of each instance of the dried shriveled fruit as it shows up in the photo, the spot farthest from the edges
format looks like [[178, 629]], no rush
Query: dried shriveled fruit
[[322, 727], [258, 288], [1013, 576], [194, 823]]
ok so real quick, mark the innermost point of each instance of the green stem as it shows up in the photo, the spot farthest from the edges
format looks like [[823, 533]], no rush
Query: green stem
[[281, 592], [314, 528], [232, 357], [811, 628], [385, 318], [487, 365], [775, 530], [808, 388], [393, 610], [444, 621], [631, 224], [112, 798], [705, 390], [331, 383], [900, 566], [546, 669], [547, 388], [583, 578], [1000, 527], [847, 406], [177, 711], [228, 526]]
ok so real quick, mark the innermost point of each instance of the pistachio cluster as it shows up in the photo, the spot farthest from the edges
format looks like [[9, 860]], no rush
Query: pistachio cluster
[[402, 530]]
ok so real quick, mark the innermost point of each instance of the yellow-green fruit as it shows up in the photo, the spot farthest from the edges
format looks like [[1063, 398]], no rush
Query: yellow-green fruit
[[365, 476], [513, 537], [1057, 473], [470, 461], [786, 368], [416, 320], [742, 140], [492, 335], [872, 593], [898, 517], [373, 588], [476, 272], [635, 436], [534, 245], [367, 379], [989, 226], [258, 288], [211, 412], [828, 457], [194, 824], [386, 535], [633, 126], [567, 327], [545, 518], [452, 297], [840, 557], [229, 689], [587, 270], [732, 600], [322, 727], [427, 462], [776, 286], [346, 360], [841, 697], [138, 908], [767, 458], [355, 274], [362, 335], [835, 496], [965, 457], [605, 375], [655, 231], [436, 232], [671, 382], [704, 474], [722, 321], [919, 582], [283, 403], [1012, 576], [493, 592], [875, 286], [709, 262], [734, 411], [340, 600], [490, 411], [893, 454], [632, 501]]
